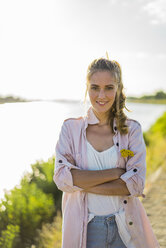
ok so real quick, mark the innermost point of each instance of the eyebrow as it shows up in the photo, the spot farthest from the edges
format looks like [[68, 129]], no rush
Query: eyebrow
[[105, 85]]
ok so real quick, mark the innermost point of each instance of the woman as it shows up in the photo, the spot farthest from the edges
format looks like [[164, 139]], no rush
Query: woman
[[100, 167]]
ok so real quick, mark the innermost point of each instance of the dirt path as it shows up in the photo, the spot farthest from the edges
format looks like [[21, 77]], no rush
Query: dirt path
[[155, 206]]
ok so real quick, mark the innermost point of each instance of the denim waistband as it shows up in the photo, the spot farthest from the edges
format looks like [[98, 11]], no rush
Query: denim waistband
[[104, 217]]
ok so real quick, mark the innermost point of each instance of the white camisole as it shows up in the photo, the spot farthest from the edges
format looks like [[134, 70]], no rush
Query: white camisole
[[107, 204]]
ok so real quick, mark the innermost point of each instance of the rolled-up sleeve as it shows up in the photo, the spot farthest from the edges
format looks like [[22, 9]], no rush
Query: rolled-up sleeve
[[62, 174], [136, 166]]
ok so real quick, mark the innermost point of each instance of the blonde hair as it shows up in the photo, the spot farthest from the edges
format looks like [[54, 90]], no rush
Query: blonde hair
[[116, 110]]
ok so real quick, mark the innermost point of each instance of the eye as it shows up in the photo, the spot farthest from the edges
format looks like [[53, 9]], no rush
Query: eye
[[110, 88], [94, 87]]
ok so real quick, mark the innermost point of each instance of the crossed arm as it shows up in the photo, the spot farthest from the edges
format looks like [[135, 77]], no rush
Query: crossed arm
[[104, 182]]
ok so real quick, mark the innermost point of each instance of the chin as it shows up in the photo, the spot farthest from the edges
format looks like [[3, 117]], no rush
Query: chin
[[99, 109]]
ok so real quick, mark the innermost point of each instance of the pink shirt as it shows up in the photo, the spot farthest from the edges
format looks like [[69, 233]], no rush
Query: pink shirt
[[72, 140]]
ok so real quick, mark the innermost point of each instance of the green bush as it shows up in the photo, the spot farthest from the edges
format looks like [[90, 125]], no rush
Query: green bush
[[29, 205], [51, 234], [42, 176], [10, 237]]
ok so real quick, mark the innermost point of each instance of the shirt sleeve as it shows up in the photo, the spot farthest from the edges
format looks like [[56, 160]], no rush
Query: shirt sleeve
[[62, 175], [136, 166]]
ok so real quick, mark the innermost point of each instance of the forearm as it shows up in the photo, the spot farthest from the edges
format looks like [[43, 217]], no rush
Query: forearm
[[89, 178], [116, 187]]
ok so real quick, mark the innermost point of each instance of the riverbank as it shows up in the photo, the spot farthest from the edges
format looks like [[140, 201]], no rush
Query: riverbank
[[148, 101]]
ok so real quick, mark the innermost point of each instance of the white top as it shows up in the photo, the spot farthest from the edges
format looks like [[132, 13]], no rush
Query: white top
[[106, 204]]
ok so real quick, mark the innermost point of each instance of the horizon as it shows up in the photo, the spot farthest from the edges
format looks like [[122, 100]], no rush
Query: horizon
[[70, 99]]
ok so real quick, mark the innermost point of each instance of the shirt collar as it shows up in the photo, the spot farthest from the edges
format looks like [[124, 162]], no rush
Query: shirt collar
[[91, 118]]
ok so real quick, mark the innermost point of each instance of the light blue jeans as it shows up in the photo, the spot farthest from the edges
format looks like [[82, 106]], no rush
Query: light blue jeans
[[102, 232]]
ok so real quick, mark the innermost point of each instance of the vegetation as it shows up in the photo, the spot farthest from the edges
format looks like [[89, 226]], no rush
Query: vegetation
[[50, 235], [30, 214], [155, 139], [26, 208], [11, 99], [159, 97]]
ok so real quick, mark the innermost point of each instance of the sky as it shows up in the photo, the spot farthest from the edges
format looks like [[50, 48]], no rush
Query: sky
[[46, 46]]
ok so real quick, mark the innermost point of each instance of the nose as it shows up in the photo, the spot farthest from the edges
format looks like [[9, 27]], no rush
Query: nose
[[101, 94]]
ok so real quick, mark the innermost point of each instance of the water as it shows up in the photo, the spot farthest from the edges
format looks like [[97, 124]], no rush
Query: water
[[29, 132]]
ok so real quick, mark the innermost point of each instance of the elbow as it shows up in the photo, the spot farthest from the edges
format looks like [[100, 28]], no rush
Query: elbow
[[135, 188], [64, 181], [65, 188], [61, 185], [138, 192]]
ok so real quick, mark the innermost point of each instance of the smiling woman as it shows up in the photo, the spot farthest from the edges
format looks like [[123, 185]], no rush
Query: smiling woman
[[100, 166]]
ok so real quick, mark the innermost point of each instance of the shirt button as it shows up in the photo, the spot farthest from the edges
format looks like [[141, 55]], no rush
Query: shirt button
[[60, 161], [135, 170], [117, 144], [125, 202], [130, 223]]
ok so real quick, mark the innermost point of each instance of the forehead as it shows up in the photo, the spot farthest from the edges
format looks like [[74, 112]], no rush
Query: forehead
[[102, 77]]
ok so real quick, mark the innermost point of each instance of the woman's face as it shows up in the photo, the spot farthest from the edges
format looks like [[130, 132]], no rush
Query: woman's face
[[102, 90]]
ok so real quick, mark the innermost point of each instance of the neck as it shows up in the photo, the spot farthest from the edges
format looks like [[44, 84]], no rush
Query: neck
[[103, 118]]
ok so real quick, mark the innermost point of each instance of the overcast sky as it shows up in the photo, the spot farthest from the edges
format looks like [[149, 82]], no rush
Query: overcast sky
[[46, 46]]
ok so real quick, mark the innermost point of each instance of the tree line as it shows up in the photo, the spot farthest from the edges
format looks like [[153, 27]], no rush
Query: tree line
[[159, 95]]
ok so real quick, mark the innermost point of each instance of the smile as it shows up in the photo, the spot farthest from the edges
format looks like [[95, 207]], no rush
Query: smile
[[102, 103]]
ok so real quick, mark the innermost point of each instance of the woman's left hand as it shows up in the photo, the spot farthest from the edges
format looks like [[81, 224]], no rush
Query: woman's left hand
[[70, 159]]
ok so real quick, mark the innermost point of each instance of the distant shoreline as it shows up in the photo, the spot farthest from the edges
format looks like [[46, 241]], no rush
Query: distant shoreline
[[128, 99], [14, 100], [2, 100], [148, 101]]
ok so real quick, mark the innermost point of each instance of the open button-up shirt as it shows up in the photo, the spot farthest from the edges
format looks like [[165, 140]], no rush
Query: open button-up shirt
[[72, 140]]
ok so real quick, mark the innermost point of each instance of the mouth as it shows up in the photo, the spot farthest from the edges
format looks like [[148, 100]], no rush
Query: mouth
[[100, 103]]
